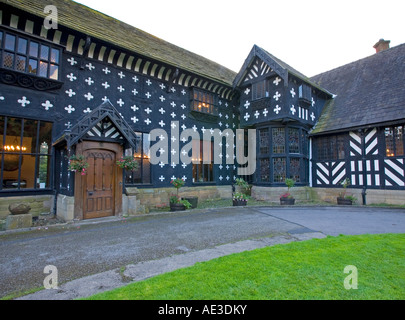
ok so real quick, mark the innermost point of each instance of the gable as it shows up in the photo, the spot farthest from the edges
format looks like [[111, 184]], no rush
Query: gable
[[257, 64], [104, 122], [258, 69], [105, 130]]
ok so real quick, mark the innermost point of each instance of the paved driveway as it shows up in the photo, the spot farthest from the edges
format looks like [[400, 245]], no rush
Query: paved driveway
[[91, 247], [343, 220]]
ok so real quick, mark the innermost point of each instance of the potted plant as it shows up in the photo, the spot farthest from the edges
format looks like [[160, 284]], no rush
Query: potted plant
[[243, 186], [177, 204], [239, 199], [192, 200], [127, 163], [344, 199], [78, 163], [286, 198]]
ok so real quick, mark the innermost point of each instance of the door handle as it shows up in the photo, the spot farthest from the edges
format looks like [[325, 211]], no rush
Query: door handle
[[90, 193]]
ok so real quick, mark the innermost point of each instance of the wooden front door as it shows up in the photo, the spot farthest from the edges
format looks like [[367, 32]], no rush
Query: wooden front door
[[98, 197], [99, 194]]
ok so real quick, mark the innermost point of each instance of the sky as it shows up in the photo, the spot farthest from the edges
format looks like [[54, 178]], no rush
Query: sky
[[312, 36]]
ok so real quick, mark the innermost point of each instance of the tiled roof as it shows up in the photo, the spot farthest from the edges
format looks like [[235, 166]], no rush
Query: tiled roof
[[100, 26], [368, 92]]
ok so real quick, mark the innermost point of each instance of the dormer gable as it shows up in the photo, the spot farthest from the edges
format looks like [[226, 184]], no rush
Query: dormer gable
[[259, 64]]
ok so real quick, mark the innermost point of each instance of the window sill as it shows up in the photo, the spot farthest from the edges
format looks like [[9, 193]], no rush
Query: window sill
[[26, 80], [210, 183]]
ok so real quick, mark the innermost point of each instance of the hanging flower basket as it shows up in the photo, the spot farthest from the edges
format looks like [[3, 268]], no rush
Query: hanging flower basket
[[127, 163], [78, 163]]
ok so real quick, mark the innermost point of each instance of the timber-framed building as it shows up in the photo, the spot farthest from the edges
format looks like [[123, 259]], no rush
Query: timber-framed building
[[96, 86]]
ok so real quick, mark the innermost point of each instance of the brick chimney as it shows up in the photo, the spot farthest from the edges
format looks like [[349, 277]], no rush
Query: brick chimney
[[382, 45]]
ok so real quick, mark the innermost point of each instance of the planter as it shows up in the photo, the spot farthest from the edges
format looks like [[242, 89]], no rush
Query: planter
[[19, 208], [287, 201], [193, 201], [177, 207], [239, 203], [343, 201]]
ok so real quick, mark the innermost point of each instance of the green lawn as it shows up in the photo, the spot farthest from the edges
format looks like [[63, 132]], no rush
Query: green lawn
[[312, 269]]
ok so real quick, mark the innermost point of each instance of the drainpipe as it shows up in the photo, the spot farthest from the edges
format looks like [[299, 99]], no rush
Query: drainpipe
[[363, 160], [55, 201], [310, 162]]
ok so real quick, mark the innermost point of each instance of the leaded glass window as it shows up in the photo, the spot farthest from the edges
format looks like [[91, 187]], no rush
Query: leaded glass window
[[330, 148], [25, 148], [278, 140], [204, 102], [394, 141], [28, 56], [293, 140], [265, 170], [260, 90], [279, 169], [203, 171], [141, 175], [264, 143], [295, 169]]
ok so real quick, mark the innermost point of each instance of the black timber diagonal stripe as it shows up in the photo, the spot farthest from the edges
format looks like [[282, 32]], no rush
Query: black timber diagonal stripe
[[87, 122]]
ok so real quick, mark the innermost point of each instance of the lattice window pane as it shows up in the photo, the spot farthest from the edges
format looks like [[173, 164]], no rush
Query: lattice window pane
[[43, 69], [21, 62], [264, 142], [293, 140], [44, 52], [259, 90], [33, 66], [295, 169], [22, 46], [279, 169], [265, 170], [54, 55], [389, 142], [278, 140], [8, 61], [34, 49], [399, 141], [341, 147], [53, 72], [10, 42]]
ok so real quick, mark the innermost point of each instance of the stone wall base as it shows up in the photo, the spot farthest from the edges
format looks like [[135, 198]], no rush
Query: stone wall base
[[141, 201], [19, 221], [41, 204], [273, 194], [373, 196], [65, 206]]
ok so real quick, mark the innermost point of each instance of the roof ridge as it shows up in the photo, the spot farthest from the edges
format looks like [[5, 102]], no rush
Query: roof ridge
[[358, 60], [99, 25]]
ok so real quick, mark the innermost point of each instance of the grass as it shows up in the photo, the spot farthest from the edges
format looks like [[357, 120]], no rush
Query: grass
[[312, 269]]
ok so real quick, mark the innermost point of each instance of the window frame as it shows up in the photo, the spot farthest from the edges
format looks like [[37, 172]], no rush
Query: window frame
[[34, 153], [337, 142], [204, 102], [262, 92], [283, 156], [143, 158], [394, 142], [27, 55], [207, 169], [305, 93]]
